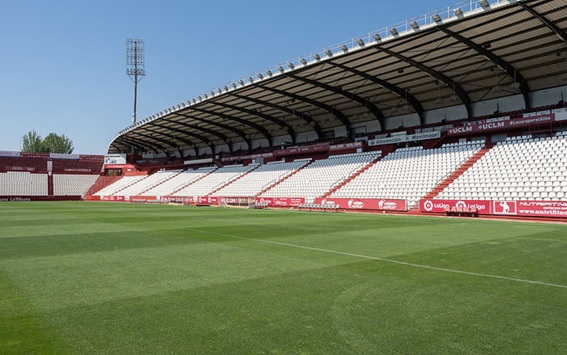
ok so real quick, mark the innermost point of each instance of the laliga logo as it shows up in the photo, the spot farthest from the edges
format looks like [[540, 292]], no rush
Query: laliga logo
[[428, 205], [381, 204], [461, 205]]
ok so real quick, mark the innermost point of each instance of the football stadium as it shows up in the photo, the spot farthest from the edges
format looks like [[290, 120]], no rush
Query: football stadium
[[404, 192]]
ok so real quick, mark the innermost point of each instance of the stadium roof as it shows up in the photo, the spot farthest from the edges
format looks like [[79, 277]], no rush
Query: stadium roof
[[473, 51]]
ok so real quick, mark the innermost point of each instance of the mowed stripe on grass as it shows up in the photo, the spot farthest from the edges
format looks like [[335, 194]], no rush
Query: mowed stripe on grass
[[122, 278]]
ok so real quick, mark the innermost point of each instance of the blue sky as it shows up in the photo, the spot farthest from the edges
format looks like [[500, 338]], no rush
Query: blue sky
[[62, 62]]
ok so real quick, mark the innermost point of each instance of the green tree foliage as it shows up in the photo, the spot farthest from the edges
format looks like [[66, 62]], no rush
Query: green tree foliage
[[58, 144], [32, 142]]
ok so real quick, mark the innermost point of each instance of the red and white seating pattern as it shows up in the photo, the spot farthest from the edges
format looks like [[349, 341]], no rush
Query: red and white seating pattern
[[261, 178], [20, 183], [321, 176], [177, 182], [72, 184], [119, 185], [215, 180], [149, 182], [408, 173], [521, 168]]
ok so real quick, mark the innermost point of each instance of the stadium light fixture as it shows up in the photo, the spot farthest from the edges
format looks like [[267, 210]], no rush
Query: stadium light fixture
[[250, 79], [484, 4], [212, 93], [269, 72], [199, 97], [290, 65], [414, 25], [135, 66], [360, 42], [260, 76], [280, 68], [206, 96], [377, 37], [241, 82], [233, 84], [437, 18], [194, 101], [226, 88], [458, 12], [394, 31], [328, 53], [303, 61], [219, 90], [344, 48], [317, 57]]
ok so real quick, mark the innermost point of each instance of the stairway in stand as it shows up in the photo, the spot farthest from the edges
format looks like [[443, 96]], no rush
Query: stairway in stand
[[350, 178], [233, 180], [455, 175], [284, 178]]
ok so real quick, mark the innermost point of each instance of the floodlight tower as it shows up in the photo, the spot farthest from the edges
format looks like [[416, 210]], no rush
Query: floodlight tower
[[135, 66]]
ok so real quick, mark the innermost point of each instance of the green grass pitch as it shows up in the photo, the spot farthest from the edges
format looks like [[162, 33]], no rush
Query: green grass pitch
[[111, 278]]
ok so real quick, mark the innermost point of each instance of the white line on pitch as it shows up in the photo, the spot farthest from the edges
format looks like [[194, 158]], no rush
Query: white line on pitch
[[385, 260]]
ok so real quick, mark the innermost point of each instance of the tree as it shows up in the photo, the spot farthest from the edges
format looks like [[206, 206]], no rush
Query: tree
[[32, 143], [58, 144], [52, 143]]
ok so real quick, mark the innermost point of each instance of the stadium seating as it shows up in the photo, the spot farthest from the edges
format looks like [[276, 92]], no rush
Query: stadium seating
[[321, 176], [120, 185], [178, 182], [72, 184], [519, 168], [261, 178], [19, 183], [214, 181], [408, 173], [149, 182]]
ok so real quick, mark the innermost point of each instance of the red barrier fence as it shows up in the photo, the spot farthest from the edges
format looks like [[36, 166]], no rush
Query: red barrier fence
[[376, 204]]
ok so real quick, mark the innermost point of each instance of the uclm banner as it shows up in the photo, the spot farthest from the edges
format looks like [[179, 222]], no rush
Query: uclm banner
[[281, 201], [501, 125], [378, 204], [441, 206]]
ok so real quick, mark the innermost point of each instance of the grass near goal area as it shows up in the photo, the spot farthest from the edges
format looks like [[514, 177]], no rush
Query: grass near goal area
[[111, 278]]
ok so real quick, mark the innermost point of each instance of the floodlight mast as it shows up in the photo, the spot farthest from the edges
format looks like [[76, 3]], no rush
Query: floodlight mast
[[135, 66]]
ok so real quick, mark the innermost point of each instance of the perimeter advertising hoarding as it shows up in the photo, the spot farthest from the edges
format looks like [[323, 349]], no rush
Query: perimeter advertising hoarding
[[114, 198], [531, 208], [378, 204], [310, 149], [404, 138], [281, 201], [206, 200], [501, 125], [441, 206], [523, 208]]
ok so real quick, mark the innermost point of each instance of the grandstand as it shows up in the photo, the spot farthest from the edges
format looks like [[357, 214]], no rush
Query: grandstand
[[42, 176], [321, 176], [409, 173], [462, 107]]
